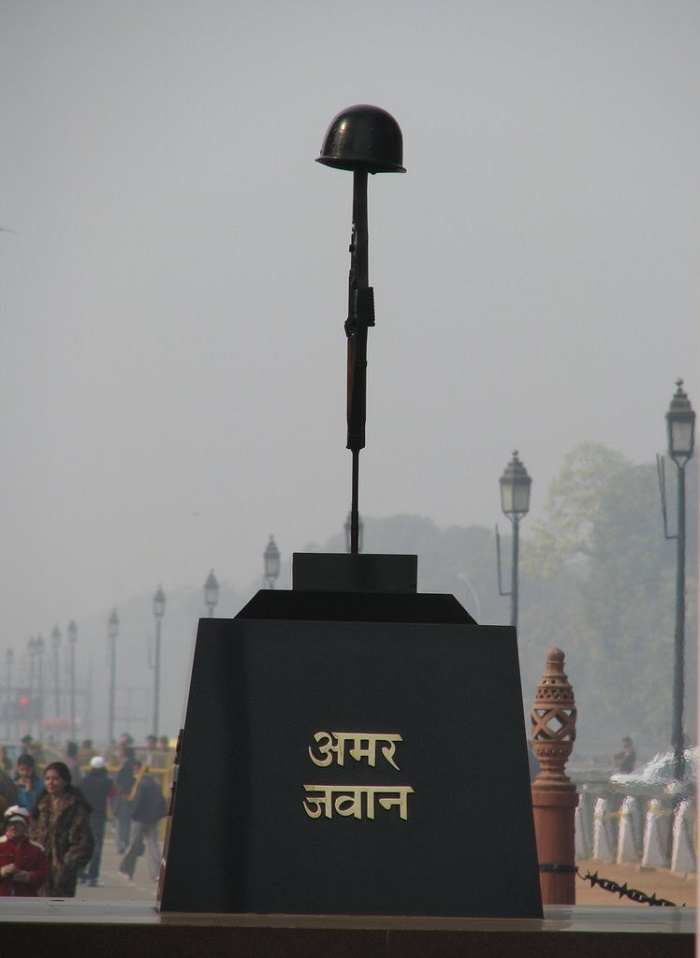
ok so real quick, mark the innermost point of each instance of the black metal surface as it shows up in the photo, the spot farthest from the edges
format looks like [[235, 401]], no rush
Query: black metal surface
[[356, 325], [363, 137], [340, 572], [240, 839], [352, 606]]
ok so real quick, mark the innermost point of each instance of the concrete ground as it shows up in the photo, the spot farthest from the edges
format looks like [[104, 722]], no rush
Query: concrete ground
[[660, 881], [112, 885]]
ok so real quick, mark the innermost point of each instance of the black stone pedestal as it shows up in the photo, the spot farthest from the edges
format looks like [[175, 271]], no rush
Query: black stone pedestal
[[353, 753]]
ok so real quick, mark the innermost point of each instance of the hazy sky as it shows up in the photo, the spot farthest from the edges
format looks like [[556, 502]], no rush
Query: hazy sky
[[174, 293]]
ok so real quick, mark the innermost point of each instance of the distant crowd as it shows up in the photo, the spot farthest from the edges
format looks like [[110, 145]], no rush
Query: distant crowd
[[54, 814]]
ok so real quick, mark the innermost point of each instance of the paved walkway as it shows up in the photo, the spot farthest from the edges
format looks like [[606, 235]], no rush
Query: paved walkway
[[113, 886]]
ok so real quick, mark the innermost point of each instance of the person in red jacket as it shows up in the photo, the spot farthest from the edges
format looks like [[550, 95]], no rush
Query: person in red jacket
[[23, 864]]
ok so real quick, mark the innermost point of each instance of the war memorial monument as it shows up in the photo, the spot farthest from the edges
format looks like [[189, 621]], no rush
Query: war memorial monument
[[371, 791]]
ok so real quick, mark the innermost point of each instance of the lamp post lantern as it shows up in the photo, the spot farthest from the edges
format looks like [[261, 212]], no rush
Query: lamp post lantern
[[158, 612], [211, 592], [680, 426], [271, 563], [362, 139], [515, 486], [72, 632], [112, 633], [56, 646]]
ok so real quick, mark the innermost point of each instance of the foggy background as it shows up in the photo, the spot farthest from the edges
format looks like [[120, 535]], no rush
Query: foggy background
[[174, 291]]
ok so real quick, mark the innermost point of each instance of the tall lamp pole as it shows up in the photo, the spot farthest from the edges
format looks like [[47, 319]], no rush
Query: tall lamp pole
[[158, 612], [348, 533], [680, 427], [72, 639], [39, 648], [362, 139], [515, 503], [211, 593], [56, 645], [9, 659], [271, 563], [112, 633], [31, 657]]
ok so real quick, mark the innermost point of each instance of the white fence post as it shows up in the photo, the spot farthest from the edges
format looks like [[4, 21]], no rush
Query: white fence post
[[683, 858], [603, 838]]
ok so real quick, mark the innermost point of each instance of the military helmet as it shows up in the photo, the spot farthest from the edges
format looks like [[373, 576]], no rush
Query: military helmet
[[363, 137]]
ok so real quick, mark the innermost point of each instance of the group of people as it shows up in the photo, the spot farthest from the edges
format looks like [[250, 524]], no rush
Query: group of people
[[53, 829], [45, 846]]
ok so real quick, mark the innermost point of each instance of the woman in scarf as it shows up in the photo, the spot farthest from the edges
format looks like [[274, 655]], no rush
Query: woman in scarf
[[61, 823]]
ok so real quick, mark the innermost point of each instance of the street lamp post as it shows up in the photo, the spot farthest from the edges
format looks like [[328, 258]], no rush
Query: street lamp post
[[211, 592], [9, 659], [271, 563], [72, 639], [112, 633], [39, 649], [680, 426], [348, 533], [56, 645], [31, 681], [158, 612], [515, 502]]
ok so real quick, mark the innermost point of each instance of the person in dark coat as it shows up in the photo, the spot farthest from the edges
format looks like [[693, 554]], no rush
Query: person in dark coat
[[8, 792], [148, 809], [73, 763], [627, 758], [29, 785], [97, 787], [23, 864], [61, 823], [124, 782]]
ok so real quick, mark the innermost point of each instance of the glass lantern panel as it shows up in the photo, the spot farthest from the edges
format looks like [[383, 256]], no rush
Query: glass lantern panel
[[211, 594], [507, 497], [521, 497], [681, 437], [272, 561]]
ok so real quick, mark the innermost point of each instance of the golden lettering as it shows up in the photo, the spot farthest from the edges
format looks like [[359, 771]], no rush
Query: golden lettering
[[325, 799], [328, 749], [348, 800], [400, 798], [363, 745]]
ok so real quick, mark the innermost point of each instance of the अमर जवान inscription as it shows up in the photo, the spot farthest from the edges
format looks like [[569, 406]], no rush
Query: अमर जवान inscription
[[355, 801]]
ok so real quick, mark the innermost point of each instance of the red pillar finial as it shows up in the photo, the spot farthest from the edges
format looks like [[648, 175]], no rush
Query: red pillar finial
[[553, 722], [554, 797]]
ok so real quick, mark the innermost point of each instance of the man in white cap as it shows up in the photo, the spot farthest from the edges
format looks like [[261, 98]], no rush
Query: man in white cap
[[23, 864], [97, 787]]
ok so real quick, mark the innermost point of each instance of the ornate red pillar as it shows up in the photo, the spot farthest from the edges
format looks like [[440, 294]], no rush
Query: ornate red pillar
[[554, 797]]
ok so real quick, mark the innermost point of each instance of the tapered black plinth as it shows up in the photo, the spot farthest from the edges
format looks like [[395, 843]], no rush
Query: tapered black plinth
[[442, 822], [363, 572]]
